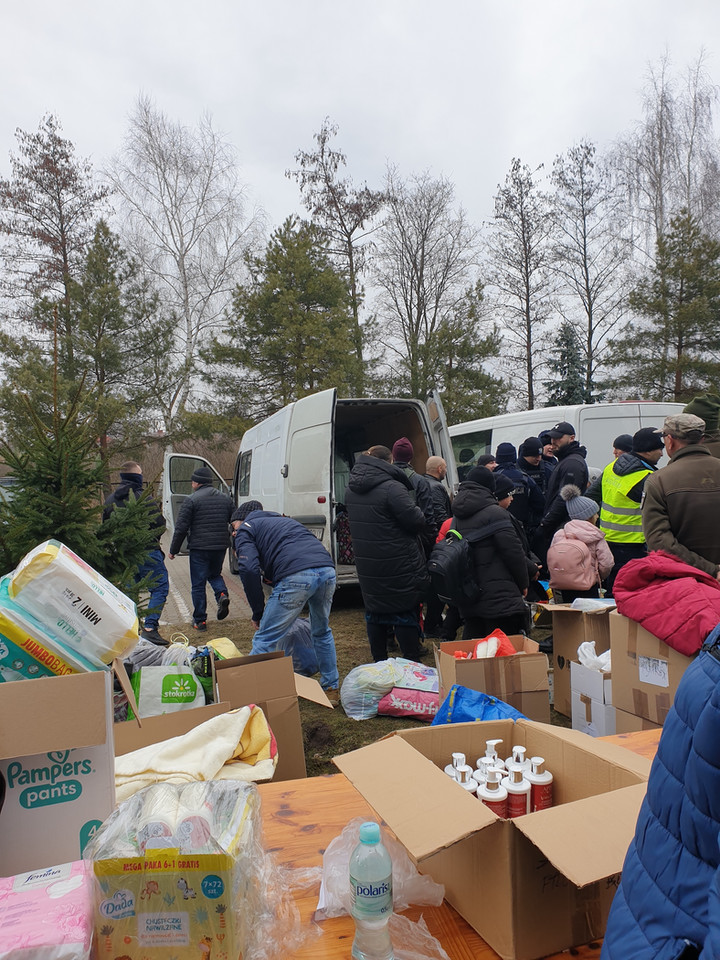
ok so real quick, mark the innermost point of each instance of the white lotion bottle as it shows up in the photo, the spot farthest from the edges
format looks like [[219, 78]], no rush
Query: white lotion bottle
[[491, 752], [458, 760], [518, 757], [541, 785], [464, 777], [518, 789], [483, 765], [493, 794]]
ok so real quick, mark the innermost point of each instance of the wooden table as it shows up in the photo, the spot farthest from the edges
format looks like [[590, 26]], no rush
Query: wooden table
[[301, 817]]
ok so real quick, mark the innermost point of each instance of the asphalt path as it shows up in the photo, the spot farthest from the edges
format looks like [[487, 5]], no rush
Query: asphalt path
[[178, 607]]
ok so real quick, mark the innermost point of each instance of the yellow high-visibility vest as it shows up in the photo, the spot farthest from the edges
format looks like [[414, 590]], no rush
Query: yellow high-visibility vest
[[621, 517]]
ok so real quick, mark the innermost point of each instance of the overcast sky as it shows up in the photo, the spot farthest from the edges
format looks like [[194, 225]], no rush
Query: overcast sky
[[457, 88]]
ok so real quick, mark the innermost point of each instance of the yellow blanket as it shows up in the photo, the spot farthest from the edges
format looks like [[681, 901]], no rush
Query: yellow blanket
[[237, 745]]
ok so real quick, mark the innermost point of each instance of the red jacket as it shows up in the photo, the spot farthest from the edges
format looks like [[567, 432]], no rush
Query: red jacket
[[672, 600]]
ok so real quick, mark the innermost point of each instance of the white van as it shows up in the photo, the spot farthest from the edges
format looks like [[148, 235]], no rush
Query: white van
[[596, 426], [298, 461]]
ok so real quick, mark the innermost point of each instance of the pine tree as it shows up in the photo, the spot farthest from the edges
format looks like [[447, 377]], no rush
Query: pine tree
[[567, 363]]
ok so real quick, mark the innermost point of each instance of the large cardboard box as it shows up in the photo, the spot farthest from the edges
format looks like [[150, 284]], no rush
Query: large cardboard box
[[570, 629], [58, 766], [530, 886], [268, 681], [629, 723], [520, 680], [646, 671], [591, 695]]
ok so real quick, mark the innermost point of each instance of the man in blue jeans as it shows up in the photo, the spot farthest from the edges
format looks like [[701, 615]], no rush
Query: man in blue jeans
[[204, 517], [131, 482], [301, 571]]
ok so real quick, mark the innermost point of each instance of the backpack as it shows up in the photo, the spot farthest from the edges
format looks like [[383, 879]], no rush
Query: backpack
[[451, 568], [571, 565]]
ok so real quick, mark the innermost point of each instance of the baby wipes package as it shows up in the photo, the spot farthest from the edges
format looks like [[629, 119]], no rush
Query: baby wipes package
[[178, 872], [47, 914], [92, 618]]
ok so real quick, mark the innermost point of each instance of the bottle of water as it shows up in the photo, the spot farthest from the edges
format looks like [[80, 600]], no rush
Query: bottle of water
[[372, 897]]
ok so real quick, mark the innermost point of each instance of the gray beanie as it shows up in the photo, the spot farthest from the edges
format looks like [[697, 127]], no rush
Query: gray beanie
[[203, 475], [245, 508], [578, 506]]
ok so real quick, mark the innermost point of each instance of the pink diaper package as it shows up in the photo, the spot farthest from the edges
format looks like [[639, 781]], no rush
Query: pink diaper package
[[416, 695], [47, 914]]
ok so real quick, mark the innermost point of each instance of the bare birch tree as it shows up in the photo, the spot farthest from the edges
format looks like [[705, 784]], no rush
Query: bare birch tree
[[519, 255], [185, 221]]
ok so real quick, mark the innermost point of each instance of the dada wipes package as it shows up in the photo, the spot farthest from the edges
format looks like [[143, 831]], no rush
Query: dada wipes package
[[90, 617], [178, 872]]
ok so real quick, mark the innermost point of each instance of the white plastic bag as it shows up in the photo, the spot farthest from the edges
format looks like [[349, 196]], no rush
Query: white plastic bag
[[365, 686], [409, 886], [588, 658]]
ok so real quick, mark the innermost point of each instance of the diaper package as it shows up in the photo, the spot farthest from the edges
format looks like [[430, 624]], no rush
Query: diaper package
[[27, 649], [47, 914], [178, 872], [74, 603]]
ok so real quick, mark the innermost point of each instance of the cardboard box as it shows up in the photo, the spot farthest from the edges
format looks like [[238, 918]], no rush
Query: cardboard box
[[268, 681], [570, 629], [591, 696], [530, 886], [57, 761], [646, 671], [130, 735], [520, 680], [629, 723]]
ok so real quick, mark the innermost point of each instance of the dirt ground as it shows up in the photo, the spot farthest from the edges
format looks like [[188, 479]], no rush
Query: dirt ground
[[328, 733]]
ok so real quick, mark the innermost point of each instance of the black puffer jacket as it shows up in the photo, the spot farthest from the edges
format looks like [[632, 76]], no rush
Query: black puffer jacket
[[385, 525], [499, 559], [205, 518], [571, 468]]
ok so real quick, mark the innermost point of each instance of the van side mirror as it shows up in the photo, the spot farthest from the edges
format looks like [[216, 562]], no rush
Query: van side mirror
[[284, 470]]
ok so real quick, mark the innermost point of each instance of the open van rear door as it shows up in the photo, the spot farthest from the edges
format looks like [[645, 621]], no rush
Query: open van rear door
[[178, 468], [441, 436], [307, 470]]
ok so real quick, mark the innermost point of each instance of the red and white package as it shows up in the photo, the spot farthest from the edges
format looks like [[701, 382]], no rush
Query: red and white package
[[405, 702]]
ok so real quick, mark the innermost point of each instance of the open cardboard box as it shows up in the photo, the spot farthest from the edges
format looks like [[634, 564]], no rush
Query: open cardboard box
[[520, 680], [591, 693], [56, 758], [267, 680], [570, 629], [530, 886], [646, 671]]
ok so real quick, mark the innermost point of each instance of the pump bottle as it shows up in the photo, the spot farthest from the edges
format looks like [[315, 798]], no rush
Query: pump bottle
[[464, 777], [458, 760], [518, 756], [518, 789], [493, 794], [541, 785]]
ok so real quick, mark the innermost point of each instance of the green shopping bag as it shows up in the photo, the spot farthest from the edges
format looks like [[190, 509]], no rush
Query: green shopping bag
[[165, 690]]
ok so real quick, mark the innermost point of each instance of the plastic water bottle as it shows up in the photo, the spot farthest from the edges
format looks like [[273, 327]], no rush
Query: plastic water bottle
[[372, 897]]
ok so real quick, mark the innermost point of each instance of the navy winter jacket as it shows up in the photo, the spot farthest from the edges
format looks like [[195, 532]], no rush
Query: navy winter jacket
[[204, 518], [666, 906], [278, 546]]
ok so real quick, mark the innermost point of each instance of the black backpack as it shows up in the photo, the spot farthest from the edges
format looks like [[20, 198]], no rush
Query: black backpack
[[451, 569]]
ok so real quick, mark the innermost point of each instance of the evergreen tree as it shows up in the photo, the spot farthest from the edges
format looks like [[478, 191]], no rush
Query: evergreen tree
[[673, 351], [567, 363], [290, 333], [58, 495]]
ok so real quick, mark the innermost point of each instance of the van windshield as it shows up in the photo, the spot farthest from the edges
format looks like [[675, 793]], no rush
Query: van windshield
[[467, 447]]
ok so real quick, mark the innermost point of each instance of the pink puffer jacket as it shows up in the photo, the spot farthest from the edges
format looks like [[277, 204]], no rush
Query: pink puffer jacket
[[593, 538]]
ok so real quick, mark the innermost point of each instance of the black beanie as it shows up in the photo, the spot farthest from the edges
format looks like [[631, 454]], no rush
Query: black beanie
[[245, 508], [483, 476], [203, 475], [647, 439], [503, 486]]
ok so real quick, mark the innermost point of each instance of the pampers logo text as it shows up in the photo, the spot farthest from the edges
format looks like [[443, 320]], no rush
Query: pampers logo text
[[54, 783]]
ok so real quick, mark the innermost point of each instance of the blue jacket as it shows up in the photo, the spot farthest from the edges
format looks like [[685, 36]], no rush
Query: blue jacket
[[667, 901], [270, 545]]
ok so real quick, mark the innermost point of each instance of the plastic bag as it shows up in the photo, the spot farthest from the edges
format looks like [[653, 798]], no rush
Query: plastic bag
[[409, 886], [298, 644], [588, 658], [463, 705], [166, 690], [365, 686]]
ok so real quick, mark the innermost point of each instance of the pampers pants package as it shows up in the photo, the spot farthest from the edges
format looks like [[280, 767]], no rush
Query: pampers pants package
[[47, 914], [178, 873], [83, 611]]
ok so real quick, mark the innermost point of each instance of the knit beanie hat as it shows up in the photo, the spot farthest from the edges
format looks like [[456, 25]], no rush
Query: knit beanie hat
[[624, 442], [506, 453], [203, 475], [707, 407], [532, 447], [402, 450], [578, 506], [483, 476], [485, 458], [503, 486], [647, 439], [245, 508]]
